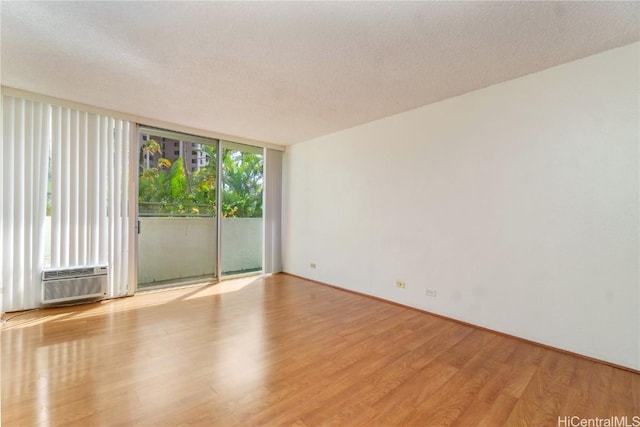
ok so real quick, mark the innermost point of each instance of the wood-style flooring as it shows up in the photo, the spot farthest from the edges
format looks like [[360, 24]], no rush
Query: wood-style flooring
[[281, 350]]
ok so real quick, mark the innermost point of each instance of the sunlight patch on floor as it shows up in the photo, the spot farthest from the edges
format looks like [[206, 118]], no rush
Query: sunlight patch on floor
[[146, 299]]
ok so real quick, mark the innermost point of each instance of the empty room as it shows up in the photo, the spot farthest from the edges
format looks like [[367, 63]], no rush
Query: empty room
[[320, 213]]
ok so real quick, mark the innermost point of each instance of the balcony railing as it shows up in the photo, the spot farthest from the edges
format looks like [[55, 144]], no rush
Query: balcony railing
[[159, 209]]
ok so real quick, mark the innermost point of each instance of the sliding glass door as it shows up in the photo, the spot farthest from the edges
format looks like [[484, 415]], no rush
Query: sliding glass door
[[241, 224], [177, 209], [187, 231]]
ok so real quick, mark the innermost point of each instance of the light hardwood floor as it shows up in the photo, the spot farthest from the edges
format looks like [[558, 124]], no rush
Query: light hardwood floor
[[281, 350]]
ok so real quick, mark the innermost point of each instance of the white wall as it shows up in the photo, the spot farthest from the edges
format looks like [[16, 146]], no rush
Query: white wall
[[518, 203]]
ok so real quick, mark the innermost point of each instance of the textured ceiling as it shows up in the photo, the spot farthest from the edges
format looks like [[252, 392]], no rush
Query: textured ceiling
[[285, 72]]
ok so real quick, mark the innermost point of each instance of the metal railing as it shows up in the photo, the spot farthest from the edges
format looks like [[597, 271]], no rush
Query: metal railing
[[160, 209]]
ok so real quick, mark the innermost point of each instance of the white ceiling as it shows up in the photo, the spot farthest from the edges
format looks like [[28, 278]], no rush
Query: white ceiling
[[285, 72]]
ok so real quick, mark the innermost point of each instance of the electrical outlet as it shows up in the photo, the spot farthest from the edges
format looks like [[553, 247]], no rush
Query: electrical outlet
[[431, 293], [312, 265], [400, 284]]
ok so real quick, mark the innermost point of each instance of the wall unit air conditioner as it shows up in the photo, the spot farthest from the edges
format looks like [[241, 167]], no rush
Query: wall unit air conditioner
[[75, 283]]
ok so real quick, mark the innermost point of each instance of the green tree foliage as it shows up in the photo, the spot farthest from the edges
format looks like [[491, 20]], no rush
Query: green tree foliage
[[169, 189], [242, 183]]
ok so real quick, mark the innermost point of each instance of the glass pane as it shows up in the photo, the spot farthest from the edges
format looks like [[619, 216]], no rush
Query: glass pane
[[177, 210], [241, 224]]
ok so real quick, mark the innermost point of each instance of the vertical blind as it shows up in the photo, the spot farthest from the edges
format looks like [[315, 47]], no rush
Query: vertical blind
[[273, 211], [24, 156], [89, 203], [89, 193]]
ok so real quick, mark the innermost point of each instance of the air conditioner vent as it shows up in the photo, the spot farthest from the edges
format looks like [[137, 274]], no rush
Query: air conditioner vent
[[75, 283], [67, 273]]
